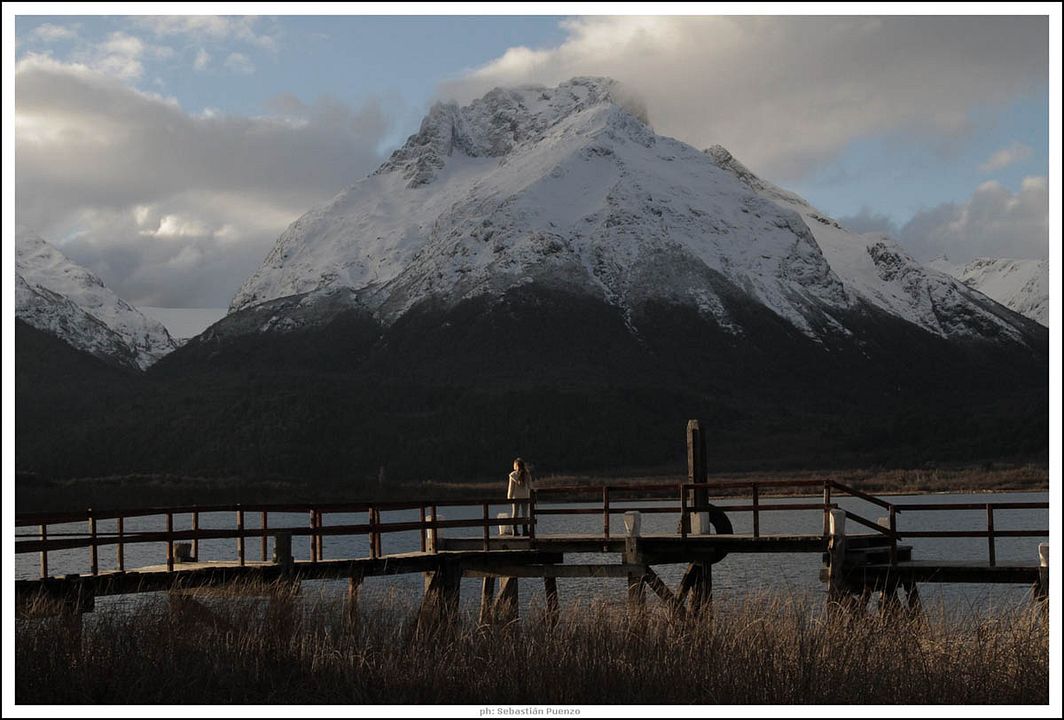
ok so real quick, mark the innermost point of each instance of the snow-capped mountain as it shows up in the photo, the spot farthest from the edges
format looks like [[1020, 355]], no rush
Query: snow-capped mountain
[[58, 296], [566, 188], [1020, 285]]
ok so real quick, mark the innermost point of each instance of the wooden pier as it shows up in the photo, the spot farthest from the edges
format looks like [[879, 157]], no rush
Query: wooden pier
[[861, 555]]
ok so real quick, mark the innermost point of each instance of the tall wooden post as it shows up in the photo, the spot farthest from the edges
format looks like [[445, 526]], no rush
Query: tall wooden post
[[696, 467], [836, 555]]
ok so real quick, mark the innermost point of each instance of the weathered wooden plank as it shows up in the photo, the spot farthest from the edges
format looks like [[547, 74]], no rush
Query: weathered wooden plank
[[552, 571]]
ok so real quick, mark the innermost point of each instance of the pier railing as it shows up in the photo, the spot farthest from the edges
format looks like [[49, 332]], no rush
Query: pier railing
[[604, 500]]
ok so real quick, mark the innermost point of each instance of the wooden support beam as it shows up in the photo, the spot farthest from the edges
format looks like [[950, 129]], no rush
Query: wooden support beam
[[354, 587], [442, 595], [550, 587], [702, 591], [487, 600], [655, 583], [636, 593], [538, 570], [506, 604]]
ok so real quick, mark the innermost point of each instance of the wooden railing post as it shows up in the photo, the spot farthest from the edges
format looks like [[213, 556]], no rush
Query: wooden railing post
[[893, 536], [606, 512], [320, 539], [44, 553], [487, 529], [195, 538], [314, 545], [120, 551], [531, 514], [990, 534], [827, 506], [424, 536], [372, 533], [169, 542], [685, 519], [94, 560], [264, 523], [757, 520], [435, 531], [380, 534], [240, 544]]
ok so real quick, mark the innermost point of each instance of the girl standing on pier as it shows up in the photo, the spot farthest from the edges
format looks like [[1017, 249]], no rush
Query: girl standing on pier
[[520, 488]]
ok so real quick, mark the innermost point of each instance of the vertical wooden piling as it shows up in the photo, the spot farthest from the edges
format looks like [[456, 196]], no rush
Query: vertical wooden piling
[[1042, 588], [169, 542], [506, 603], [836, 555], [757, 517], [487, 527], [696, 463], [702, 587], [120, 550], [195, 540], [991, 550], [487, 599], [827, 507], [264, 524], [354, 587], [94, 559], [550, 587], [240, 544], [44, 553], [636, 593]]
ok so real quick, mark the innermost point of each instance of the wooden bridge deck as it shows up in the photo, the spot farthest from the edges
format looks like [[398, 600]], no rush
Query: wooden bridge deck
[[853, 562]]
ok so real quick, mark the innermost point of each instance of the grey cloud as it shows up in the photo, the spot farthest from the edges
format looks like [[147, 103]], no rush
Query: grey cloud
[[994, 222], [867, 221], [788, 93], [167, 207]]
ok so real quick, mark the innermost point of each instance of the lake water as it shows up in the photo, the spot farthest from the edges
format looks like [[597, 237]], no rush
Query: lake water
[[736, 575]]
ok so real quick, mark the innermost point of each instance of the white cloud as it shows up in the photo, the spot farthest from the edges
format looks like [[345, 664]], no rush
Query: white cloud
[[993, 222], [49, 32], [212, 28], [168, 207], [788, 93], [239, 63], [203, 59], [1014, 153]]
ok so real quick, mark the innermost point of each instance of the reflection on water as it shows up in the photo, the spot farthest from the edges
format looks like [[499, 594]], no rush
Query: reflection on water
[[788, 573]]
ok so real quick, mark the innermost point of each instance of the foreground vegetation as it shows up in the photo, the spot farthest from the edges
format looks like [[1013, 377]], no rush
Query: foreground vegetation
[[760, 650]]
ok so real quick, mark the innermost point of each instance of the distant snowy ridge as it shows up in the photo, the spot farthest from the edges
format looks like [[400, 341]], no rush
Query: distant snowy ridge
[[58, 296], [1020, 285], [567, 187]]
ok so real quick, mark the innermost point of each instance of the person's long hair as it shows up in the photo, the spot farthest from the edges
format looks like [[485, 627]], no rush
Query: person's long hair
[[523, 475]]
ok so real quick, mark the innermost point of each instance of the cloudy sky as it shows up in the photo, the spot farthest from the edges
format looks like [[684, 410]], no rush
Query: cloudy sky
[[168, 153]]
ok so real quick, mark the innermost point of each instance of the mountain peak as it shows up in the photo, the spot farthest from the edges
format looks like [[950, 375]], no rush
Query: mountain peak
[[501, 120], [58, 296]]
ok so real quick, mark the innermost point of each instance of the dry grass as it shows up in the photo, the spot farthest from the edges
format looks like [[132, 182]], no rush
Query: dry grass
[[758, 650]]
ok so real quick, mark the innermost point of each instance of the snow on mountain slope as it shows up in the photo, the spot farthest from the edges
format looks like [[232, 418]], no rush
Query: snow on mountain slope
[[881, 272], [566, 187], [1020, 285], [58, 296]]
